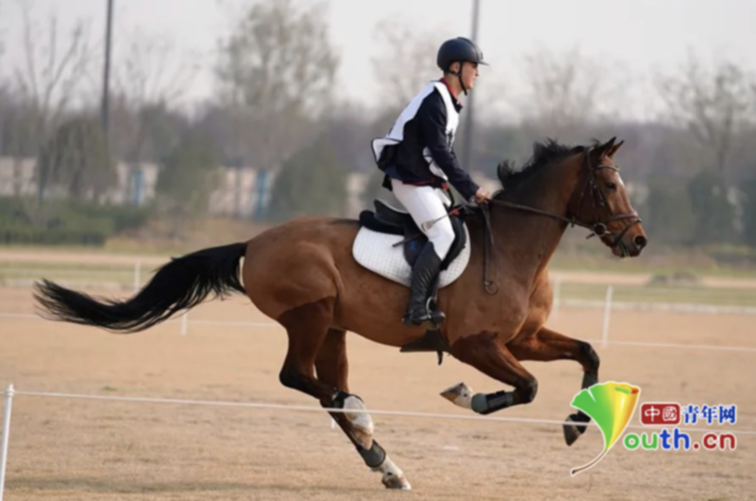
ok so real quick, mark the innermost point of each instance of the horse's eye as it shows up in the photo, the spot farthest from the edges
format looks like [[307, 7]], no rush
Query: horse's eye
[[611, 186]]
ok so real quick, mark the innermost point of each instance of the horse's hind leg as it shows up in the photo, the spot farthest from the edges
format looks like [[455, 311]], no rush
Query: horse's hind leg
[[484, 352], [311, 342], [547, 345], [307, 327], [332, 368]]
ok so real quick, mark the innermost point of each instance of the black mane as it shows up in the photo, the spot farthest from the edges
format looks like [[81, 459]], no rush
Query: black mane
[[543, 154]]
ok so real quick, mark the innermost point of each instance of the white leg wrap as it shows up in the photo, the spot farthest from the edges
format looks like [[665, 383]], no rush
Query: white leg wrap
[[361, 421], [459, 394], [393, 476]]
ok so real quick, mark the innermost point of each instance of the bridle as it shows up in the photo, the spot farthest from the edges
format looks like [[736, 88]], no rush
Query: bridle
[[598, 227]]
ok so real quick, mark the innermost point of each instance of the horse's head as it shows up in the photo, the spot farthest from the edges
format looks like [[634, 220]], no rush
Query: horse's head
[[601, 202]]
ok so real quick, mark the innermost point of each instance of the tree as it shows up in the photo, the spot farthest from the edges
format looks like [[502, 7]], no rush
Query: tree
[[312, 182], [150, 79], [43, 87], [76, 159], [350, 130], [713, 211], [50, 77], [749, 213], [715, 105], [187, 178], [153, 71], [276, 71], [406, 61], [668, 212], [567, 91]]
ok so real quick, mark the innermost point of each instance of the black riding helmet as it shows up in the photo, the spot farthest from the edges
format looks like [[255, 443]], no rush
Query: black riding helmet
[[461, 50]]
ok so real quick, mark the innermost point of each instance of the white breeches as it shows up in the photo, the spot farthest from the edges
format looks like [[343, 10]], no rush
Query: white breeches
[[426, 205]]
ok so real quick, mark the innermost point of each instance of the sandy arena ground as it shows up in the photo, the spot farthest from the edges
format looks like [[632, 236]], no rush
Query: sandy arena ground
[[91, 450]]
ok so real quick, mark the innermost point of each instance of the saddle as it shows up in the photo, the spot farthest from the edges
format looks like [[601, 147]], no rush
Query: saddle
[[387, 219]]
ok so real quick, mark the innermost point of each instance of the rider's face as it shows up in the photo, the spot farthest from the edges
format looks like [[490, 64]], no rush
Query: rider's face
[[470, 73]]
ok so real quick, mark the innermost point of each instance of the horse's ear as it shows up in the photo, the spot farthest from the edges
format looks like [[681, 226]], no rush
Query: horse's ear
[[604, 149], [614, 149]]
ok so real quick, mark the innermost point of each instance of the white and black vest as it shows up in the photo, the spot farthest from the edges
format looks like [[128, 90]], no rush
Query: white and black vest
[[395, 135]]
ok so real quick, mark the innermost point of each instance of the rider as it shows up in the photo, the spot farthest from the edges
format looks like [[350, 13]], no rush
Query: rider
[[418, 161]]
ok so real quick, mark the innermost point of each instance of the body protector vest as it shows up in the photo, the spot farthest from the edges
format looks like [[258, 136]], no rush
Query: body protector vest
[[383, 147]]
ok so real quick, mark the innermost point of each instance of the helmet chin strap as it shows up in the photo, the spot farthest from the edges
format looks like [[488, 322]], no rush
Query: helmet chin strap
[[458, 74]]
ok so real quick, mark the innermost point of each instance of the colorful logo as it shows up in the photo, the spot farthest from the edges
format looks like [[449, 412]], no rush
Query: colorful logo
[[611, 405], [673, 414]]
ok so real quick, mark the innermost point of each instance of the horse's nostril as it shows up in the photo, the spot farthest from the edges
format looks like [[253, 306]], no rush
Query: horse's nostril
[[640, 241]]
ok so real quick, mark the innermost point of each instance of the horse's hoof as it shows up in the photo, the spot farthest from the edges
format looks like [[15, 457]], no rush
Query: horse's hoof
[[396, 482], [460, 395], [393, 477], [399, 482], [572, 432]]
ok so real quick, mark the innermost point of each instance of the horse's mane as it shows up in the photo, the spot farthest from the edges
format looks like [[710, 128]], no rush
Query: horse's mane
[[544, 153]]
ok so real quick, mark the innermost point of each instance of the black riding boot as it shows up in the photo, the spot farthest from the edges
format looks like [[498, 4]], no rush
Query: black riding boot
[[424, 275]]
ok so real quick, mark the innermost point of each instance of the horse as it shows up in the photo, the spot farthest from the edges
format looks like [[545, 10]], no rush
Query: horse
[[303, 274]]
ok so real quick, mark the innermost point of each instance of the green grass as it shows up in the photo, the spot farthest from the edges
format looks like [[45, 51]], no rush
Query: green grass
[[627, 267], [569, 290], [658, 294], [74, 272]]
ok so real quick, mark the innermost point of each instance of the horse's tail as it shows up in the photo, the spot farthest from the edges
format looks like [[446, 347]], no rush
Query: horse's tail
[[178, 285]]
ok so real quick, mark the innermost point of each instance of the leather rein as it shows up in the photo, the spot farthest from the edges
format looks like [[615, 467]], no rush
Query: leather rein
[[598, 228]]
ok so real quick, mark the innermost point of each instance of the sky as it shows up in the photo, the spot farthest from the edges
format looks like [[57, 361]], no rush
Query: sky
[[642, 37]]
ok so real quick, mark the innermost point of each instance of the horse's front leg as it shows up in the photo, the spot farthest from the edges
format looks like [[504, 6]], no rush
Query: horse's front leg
[[547, 345], [487, 354]]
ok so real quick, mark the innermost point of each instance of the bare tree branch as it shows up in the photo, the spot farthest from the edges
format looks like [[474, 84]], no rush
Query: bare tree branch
[[565, 89], [407, 60], [29, 52], [276, 72], [715, 104], [153, 71], [50, 89]]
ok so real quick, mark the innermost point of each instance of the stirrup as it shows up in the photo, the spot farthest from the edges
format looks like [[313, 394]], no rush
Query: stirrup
[[432, 317]]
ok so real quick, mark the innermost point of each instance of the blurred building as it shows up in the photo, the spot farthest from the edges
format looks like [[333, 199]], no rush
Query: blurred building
[[237, 195]]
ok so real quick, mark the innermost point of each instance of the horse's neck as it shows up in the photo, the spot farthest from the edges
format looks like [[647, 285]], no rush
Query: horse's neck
[[527, 240]]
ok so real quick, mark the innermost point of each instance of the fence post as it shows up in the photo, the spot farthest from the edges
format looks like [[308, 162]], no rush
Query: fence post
[[557, 289], [6, 437], [607, 315], [137, 274], [184, 324]]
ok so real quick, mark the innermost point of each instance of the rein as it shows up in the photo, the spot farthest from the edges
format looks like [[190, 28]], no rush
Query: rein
[[598, 228]]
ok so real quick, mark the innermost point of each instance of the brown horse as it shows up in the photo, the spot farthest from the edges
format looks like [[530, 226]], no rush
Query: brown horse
[[302, 274]]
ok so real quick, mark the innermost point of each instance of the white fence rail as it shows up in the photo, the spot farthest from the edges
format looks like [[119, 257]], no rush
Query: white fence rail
[[608, 305], [11, 392], [604, 341], [130, 279]]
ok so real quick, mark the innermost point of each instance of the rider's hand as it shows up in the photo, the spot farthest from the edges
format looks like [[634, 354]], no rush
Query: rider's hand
[[482, 195]]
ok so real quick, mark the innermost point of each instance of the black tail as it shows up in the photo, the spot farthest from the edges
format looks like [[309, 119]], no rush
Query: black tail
[[178, 285]]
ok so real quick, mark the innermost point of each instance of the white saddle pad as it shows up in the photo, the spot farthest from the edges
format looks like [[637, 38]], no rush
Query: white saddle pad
[[375, 251]]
